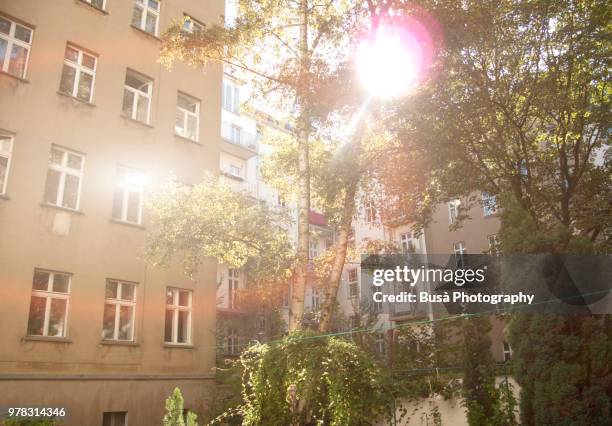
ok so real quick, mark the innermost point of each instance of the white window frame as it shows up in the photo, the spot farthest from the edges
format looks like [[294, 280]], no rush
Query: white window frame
[[230, 100], [191, 24], [493, 243], [186, 114], [232, 341], [10, 41], [355, 319], [313, 248], [118, 302], [507, 352], [407, 242], [176, 308], [49, 295], [381, 342], [139, 93], [146, 9], [93, 5], [8, 155], [80, 68], [459, 249], [129, 187], [233, 285], [232, 168], [489, 204], [64, 170], [453, 210], [353, 285], [371, 213], [315, 299]]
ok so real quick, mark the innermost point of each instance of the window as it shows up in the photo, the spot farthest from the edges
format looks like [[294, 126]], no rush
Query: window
[[119, 311], [354, 322], [187, 117], [78, 73], [235, 134], [233, 286], [493, 244], [192, 25], [49, 304], [353, 282], [370, 212], [507, 352], [377, 307], [99, 4], [6, 148], [230, 99], [15, 43], [407, 243], [178, 316], [380, 343], [137, 95], [313, 248], [315, 299], [232, 342], [453, 210], [146, 15], [115, 418], [235, 170], [127, 199], [460, 252], [285, 297], [64, 176], [489, 204]]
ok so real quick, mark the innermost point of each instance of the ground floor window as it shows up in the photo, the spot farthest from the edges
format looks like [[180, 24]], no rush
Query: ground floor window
[[115, 418]]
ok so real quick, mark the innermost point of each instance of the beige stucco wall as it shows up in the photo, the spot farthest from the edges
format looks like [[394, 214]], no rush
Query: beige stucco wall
[[95, 248]]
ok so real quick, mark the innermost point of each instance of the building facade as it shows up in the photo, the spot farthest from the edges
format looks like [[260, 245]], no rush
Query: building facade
[[89, 120]]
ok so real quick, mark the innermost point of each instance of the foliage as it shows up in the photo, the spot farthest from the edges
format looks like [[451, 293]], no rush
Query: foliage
[[174, 411], [329, 375], [211, 220], [30, 422]]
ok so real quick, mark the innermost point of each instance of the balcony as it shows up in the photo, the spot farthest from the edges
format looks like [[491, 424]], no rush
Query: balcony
[[237, 141], [238, 184]]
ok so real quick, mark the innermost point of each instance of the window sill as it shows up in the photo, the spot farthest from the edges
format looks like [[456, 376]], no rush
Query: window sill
[[231, 176], [185, 138], [21, 79], [148, 34], [123, 222], [132, 120], [178, 346], [118, 343], [66, 209], [91, 6], [74, 98], [47, 339]]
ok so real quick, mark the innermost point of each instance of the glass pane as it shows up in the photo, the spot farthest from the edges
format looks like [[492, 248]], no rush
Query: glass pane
[[135, 82], [36, 318], [89, 61], [184, 298], [154, 4], [111, 290], [75, 161], [61, 283], [178, 123], [133, 207], [71, 191], [170, 297], [57, 317], [17, 61], [185, 103], [142, 109], [51, 187], [192, 127], [151, 23], [67, 80], [23, 33], [3, 168], [128, 102], [117, 203], [127, 291], [168, 326], [71, 54], [183, 327], [5, 26], [41, 280], [137, 16], [5, 144], [3, 44], [98, 3], [85, 86], [56, 156], [108, 322], [125, 323]]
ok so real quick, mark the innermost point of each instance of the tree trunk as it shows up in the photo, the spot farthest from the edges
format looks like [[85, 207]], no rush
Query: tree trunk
[[333, 280], [299, 284]]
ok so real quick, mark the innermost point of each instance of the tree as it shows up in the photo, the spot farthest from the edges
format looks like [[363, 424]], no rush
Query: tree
[[174, 411], [211, 220]]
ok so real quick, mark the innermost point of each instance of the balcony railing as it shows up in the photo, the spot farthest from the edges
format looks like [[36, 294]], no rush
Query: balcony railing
[[252, 188], [238, 136]]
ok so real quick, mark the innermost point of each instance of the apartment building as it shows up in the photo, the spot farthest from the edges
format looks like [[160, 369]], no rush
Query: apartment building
[[89, 121]]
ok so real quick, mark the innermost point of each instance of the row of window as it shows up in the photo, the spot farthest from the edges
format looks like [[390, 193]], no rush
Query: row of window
[[79, 72], [65, 177], [489, 207], [50, 300]]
